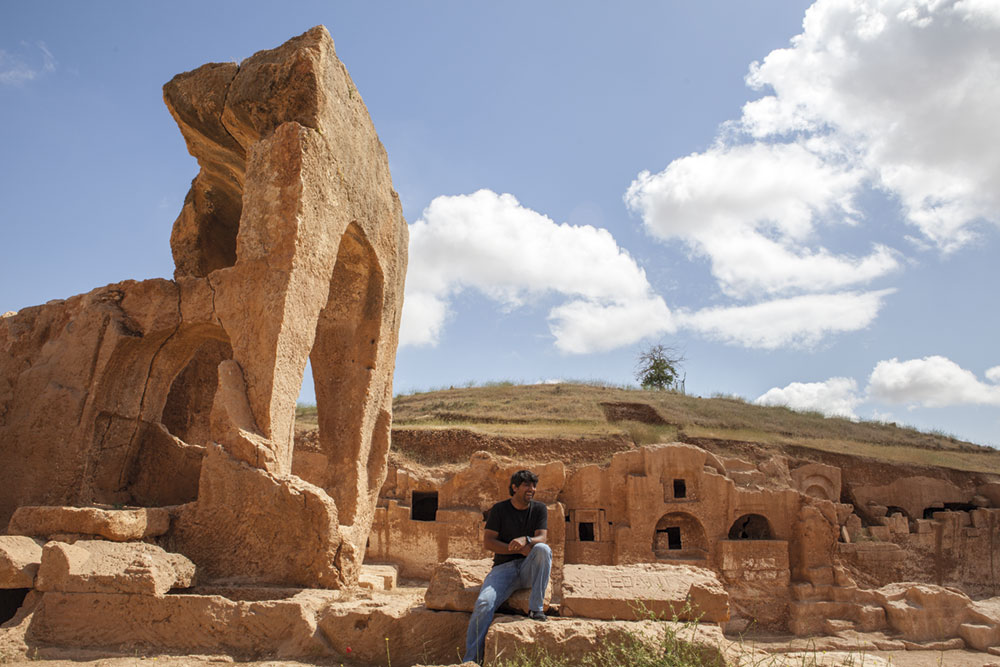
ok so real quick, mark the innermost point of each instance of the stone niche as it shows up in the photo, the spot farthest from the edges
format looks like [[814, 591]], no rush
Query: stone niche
[[290, 246]]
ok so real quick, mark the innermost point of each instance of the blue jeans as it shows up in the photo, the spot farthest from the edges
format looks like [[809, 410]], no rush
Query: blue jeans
[[499, 584]]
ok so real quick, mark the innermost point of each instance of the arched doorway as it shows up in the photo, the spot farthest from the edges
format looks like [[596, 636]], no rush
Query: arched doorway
[[679, 536], [751, 527], [343, 360]]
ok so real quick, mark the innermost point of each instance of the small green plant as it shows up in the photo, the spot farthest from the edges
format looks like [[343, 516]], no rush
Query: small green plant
[[661, 643]]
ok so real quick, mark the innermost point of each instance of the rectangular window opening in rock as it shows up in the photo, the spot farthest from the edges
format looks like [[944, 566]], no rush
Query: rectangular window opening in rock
[[680, 488], [424, 505], [586, 531], [673, 534]]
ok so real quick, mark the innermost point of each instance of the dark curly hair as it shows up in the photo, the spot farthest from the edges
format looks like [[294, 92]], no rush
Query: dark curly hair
[[520, 477]]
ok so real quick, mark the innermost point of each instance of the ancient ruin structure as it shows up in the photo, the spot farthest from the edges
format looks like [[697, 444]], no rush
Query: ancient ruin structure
[[794, 545], [181, 393], [156, 499]]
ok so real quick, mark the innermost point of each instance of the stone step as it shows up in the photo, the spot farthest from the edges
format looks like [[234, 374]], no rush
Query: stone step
[[378, 576], [812, 617], [308, 624]]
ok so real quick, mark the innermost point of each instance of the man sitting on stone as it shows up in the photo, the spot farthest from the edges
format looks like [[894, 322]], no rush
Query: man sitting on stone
[[516, 533]]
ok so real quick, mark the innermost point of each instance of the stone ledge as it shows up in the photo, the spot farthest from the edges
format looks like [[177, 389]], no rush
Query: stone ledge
[[115, 525], [96, 566], [637, 592]]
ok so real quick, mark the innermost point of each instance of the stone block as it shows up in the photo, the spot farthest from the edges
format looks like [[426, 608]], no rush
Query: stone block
[[924, 612], [111, 524], [455, 586], [832, 626], [870, 618], [309, 625], [19, 560], [979, 636], [386, 574], [574, 638], [95, 566], [980, 518], [897, 524], [880, 533], [853, 526], [820, 575], [244, 512], [809, 617], [633, 592]]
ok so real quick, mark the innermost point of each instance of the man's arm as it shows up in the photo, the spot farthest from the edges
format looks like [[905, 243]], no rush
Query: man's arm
[[520, 544], [491, 543]]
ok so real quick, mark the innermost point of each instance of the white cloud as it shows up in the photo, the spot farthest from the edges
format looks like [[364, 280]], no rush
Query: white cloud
[[837, 397], [798, 321], [752, 211], [591, 326], [514, 255], [908, 87], [993, 374], [424, 317], [932, 382], [16, 69], [898, 95]]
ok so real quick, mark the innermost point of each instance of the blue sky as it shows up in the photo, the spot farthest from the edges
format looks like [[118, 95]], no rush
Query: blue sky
[[802, 197]]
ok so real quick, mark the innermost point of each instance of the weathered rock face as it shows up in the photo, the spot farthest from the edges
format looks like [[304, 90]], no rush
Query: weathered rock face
[[300, 546], [638, 592], [921, 612], [290, 246], [96, 566]]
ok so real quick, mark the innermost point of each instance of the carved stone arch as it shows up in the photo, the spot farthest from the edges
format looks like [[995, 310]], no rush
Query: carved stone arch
[[818, 486], [680, 535], [751, 527], [344, 358], [152, 401]]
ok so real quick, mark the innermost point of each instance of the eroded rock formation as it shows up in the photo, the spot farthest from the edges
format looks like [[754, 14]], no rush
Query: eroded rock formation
[[290, 247]]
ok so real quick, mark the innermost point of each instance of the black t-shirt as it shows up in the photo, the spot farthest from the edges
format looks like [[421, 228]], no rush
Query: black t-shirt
[[511, 523]]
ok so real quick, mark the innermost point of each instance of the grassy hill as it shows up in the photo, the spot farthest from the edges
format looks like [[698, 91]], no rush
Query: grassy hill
[[581, 411]]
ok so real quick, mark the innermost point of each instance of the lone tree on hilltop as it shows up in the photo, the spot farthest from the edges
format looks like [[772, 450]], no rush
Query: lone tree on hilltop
[[658, 367]]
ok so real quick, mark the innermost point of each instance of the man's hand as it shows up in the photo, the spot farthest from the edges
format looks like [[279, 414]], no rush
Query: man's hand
[[519, 545]]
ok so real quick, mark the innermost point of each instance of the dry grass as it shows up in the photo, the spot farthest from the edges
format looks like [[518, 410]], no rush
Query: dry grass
[[574, 410], [540, 429], [975, 461]]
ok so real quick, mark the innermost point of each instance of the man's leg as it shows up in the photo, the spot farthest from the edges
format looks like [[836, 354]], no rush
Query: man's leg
[[497, 587], [534, 573]]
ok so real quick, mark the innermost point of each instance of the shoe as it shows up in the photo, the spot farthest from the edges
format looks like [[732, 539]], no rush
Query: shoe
[[537, 616]]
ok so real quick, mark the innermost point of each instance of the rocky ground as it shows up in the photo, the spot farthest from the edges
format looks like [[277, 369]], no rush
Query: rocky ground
[[952, 658]]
